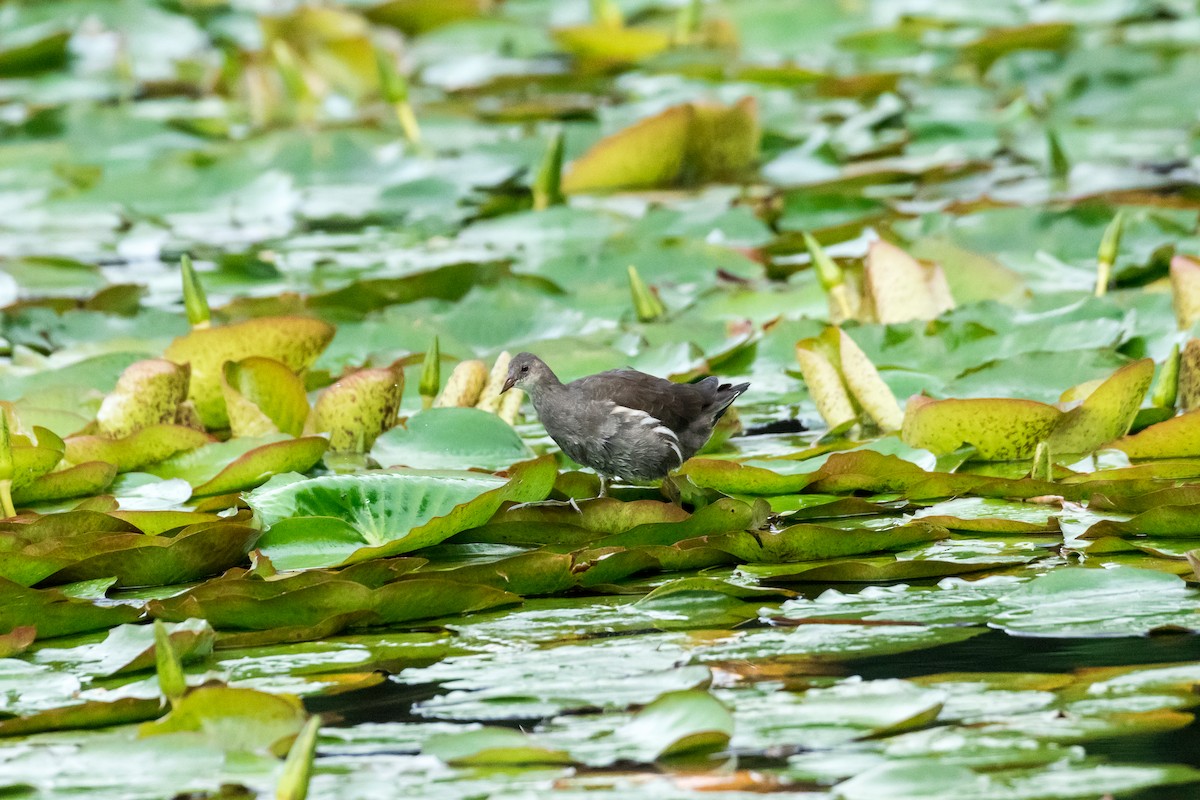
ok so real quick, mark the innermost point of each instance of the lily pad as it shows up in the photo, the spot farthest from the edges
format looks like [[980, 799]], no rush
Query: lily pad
[[348, 518], [294, 341], [451, 438]]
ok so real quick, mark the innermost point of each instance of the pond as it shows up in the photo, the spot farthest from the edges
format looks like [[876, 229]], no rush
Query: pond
[[272, 526]]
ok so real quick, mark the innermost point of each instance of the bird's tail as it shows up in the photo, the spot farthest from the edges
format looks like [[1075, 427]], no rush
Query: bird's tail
[[726, 394]]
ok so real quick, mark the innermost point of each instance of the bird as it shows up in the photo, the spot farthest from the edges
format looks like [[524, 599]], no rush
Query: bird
[[623, 423]]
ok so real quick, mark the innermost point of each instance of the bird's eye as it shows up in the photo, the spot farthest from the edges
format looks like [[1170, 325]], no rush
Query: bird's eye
[[524, 368]]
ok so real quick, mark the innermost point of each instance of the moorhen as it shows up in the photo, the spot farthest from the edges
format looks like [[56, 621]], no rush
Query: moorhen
[[623, 423]]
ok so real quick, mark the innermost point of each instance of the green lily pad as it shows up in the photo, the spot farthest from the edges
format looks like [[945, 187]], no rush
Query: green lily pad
[[53, 613], [83, 480], [238, 720], [451, 438], [490, 747], [680, 723], [340, 519], [223, 467]]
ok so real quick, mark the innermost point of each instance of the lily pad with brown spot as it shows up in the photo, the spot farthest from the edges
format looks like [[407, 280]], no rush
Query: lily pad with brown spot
[[1000, 429]]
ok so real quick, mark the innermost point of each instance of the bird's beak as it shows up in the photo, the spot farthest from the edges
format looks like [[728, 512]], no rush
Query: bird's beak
[[508, 384]]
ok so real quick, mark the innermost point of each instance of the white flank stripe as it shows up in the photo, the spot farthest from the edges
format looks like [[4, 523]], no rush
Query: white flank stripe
[[632, 414], [663, 430]]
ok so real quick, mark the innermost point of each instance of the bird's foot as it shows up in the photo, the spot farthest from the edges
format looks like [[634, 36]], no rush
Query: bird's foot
[[548, 504]]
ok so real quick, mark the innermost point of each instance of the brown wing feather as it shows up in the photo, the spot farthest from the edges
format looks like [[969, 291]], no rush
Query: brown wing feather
[[676, 405]]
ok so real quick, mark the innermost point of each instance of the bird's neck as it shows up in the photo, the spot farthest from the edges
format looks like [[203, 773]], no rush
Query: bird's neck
[[547, 387]]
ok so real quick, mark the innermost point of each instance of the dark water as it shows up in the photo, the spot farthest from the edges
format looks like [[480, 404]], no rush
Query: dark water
[[993, 651], [998, 652]]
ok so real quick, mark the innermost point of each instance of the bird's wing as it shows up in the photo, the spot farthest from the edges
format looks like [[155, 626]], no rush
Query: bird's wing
[[676, 405]]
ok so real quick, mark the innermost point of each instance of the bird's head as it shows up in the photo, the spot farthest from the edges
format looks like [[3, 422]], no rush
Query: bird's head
[[527, 371]]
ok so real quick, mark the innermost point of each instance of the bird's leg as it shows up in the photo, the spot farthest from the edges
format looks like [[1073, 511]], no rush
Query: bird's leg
[[603, 486]]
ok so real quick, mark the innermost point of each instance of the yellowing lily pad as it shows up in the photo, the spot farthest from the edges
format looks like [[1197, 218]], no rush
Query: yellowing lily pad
[[294, 341], [359, 407], [138, 450], [1185, 290], [899, 288], [147, 393], [1178, 437], [608, 45], [1000, 429], [1106, 413], [689, 143]]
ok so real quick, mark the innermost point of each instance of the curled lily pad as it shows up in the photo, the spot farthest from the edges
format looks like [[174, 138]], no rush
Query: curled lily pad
[[294, 341], [263, 396], [899, 288], [825, 384], [689, 143], [223, 467], [1106, 413], [357, 408], [1185, 290], [339, 519], [868, 388], [85, 479], [52, 613], [136, 559], [147, 393], [734, 478], [34, 457]]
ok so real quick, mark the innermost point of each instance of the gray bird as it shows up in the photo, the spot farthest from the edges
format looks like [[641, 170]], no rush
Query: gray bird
[[623, 423]]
